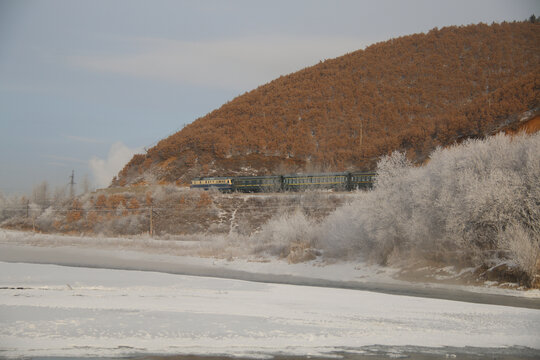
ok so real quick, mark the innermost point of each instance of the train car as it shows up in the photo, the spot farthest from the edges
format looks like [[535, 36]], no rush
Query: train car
[[296, 182], [257, 183], [293, 182], [224, 184], [361, 180]]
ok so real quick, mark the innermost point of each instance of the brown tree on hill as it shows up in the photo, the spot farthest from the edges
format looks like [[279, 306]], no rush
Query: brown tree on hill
[[411, 93]]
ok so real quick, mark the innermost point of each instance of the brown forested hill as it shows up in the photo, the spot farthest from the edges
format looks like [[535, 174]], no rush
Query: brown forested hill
[[412, 93]]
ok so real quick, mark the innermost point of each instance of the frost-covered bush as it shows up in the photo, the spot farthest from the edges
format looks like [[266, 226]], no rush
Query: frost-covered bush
[[132, 224], [468, 201], [11, 206], [46, 219], [281, 233], [523, 246]]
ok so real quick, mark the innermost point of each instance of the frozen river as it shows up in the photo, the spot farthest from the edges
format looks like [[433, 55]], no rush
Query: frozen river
[[50, 310]]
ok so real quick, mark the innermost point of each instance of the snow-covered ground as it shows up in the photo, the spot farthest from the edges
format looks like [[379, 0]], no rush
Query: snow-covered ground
[[100, 303], [169, 256], [50, 310]]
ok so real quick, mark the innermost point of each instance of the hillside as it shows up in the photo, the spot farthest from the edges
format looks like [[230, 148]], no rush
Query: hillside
[[412, 93]]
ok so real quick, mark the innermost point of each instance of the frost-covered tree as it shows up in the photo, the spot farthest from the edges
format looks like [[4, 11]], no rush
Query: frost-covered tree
[[40, 195], [465, 205]]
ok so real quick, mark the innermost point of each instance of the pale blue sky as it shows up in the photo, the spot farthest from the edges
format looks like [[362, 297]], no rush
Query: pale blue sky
[[85, 83]]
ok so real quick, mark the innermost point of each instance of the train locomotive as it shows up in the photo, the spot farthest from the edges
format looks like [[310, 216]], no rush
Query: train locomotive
[[343, 181]]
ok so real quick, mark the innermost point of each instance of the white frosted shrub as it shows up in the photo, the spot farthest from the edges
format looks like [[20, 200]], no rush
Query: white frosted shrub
[[523, 246], [278, 234], [452, 209]]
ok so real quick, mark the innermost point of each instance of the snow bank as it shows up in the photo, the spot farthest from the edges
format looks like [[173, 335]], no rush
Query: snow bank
[[348, 275]]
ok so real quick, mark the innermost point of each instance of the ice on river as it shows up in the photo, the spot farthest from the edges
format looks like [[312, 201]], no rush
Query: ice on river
[[50, 310]]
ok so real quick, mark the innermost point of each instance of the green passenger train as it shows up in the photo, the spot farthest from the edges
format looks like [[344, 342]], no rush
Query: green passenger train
[[342, 181]]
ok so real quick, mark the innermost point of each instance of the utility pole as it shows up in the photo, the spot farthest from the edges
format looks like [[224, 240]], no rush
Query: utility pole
[[72, 185], [151, 220]]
